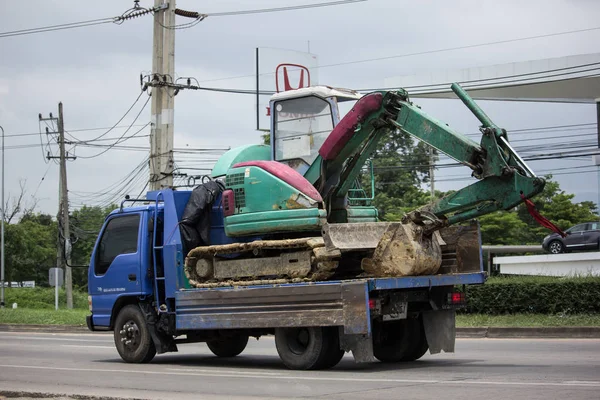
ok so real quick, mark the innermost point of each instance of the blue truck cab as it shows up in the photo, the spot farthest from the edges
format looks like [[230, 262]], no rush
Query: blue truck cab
[[138, 289]]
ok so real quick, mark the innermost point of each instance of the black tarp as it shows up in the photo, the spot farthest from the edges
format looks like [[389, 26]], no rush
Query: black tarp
[[195, 222]]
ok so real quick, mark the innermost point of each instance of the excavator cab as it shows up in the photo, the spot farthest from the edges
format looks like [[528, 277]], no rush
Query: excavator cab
[[301, 120]]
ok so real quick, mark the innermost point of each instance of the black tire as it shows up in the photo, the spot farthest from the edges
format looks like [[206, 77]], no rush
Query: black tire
[[556, 247], [228, 347], [132, 337], [308, 348], [394, 341], [419, 344], [335, 354]]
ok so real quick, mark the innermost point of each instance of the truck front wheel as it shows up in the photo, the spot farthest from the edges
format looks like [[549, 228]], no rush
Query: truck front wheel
[[229, 346], [132, 337], [308, 348]]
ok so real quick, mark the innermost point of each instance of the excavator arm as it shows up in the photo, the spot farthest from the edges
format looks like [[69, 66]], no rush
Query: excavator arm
[[503, 177]]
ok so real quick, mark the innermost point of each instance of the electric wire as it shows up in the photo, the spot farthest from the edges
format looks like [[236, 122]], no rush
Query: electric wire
[[41, 180], [499, 79], [421, 52], [131, 13], [127, 130], [279, 9], [121, 119]]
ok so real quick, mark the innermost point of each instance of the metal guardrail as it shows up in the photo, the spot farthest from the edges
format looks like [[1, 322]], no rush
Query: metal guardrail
[[491, 250], [513, 249]]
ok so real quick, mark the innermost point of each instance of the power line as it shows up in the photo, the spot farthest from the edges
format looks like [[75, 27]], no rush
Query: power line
[[418, 89], [41, 180], [121, 119], [56, 27], [75, 130], [420, 53], [129, 14], [494, 80], [461, 47], [127, 130], [288, 8]]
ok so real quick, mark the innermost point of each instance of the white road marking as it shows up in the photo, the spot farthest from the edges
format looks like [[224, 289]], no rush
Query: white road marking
[[58, 339], [56, 333], [86, 346], [223, 370], [254, 375]]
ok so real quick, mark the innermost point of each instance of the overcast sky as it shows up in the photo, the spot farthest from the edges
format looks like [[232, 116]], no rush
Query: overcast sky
[[95, 71]]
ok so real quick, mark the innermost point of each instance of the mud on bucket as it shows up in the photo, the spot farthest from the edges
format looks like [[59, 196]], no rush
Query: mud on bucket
[[403, 251]]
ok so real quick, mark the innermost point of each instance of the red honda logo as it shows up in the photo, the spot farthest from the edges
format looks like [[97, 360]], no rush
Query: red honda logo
[[300, 71]]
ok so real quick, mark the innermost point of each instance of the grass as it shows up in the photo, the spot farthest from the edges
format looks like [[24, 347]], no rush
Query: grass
[[527, 320], [43, 316], [38, 298]]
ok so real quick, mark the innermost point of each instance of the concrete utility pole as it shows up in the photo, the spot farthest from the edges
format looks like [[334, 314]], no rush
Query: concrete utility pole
[[64, 208], [2, 232], [62, 260], [163, 70]]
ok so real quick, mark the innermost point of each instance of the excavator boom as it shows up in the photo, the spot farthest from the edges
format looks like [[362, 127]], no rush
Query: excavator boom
[[503, 177]]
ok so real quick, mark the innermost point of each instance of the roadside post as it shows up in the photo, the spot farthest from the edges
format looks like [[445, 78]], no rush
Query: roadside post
[[55, 278]]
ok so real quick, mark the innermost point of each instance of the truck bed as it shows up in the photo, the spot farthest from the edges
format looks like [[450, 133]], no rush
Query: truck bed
[[330, 303]]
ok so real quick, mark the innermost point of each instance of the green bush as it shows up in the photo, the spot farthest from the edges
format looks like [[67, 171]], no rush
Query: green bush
[[42, 298], [535, 295]]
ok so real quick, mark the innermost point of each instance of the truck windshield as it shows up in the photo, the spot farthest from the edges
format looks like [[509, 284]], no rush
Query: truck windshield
[[301, 126]]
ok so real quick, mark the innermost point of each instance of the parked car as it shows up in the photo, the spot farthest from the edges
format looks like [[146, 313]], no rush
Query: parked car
[[584, 236]]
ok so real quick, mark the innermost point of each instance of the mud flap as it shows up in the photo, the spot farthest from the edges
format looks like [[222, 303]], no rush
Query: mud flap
[[440, 330], [361, 347], [162, 342]]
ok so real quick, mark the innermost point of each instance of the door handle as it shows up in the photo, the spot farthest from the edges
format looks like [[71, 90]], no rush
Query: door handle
[[132, 277]]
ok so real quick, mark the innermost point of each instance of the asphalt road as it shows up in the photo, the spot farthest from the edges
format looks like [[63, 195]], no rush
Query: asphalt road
[[488, 369]]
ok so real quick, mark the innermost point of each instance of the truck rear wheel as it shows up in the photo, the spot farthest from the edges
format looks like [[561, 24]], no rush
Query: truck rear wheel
[[228, 347], [132, 337], [419, 345], [396, 341], [308, 348]]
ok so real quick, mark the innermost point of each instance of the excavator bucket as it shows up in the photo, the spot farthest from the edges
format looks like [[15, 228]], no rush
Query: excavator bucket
[[404, 250], [397, 249]]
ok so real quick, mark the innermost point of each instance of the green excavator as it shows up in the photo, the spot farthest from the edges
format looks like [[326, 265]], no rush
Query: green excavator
[[295, 210]]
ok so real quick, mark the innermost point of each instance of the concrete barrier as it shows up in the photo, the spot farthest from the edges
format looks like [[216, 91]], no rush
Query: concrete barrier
[[571, 264]]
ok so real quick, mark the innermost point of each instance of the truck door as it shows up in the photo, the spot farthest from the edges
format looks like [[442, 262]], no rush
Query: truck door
[[115, 268]]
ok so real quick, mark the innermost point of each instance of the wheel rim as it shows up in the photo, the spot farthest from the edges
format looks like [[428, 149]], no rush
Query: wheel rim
[[555, 247], [130, 335], [298, 340]]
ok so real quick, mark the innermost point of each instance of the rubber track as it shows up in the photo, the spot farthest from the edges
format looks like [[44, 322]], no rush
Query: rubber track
[[320, 270]]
